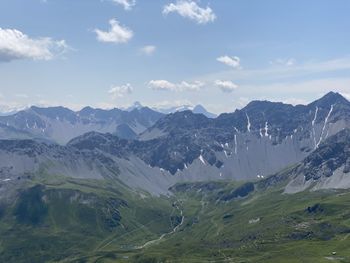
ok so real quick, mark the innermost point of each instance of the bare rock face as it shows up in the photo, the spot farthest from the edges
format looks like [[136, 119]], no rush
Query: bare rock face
[[347, 166], [251, 143], [326, 167]]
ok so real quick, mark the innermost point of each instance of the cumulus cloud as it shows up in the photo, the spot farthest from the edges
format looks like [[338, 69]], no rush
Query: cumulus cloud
[[16, 45], [120, 91], [190, 86], [148, 50], [161, 84], [191, 10], [127, 4], [165, 85], [234, 62], [226, 85], [116, 34]]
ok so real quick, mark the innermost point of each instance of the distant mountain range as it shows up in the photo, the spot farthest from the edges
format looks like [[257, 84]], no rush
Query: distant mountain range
[[199, 109], [59, 124]]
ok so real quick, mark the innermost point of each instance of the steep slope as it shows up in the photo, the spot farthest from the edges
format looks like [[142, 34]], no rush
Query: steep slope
[[92, 156], [262, 226], [249, 144], [256, 141], [327, 167], [60, 219], [60, 124]]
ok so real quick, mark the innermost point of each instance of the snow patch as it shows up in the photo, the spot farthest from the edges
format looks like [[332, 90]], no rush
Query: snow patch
[[324, 125], [266, 129], [313, 126], [248, 123], [202, 159]]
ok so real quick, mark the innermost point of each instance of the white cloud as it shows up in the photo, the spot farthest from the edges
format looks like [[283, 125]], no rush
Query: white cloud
[[161, 84], [116, 34], [191, 10], [120, 91], [16, 45], [234, 61], [165, 85], [127, 4], [276, 74], [285, 62], [148, 50], [194, 86], [226, 85]]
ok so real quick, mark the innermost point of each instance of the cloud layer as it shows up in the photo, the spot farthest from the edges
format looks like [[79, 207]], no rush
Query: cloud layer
[[164, 85], [116, 34], [16, 45], [190, 10]]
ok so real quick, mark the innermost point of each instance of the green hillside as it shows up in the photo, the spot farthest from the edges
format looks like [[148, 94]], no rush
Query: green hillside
[[69, 220]]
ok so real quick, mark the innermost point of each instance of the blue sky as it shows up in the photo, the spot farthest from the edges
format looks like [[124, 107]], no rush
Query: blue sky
[[221, 54]]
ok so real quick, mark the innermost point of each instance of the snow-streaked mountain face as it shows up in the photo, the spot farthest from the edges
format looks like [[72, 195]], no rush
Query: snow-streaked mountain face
[[254, 142], [327, 167], [60, 124], [249, 144]]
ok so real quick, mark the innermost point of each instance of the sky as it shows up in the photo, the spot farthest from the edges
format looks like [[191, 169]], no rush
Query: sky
[[164, 53]]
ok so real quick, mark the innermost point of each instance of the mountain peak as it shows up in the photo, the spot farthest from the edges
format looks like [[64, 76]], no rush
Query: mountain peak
[[329, 99], [136, 106], [200, 109]]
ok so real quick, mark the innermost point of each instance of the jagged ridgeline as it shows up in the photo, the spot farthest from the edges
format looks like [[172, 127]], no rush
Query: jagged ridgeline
[[138, 185], [248, 144]]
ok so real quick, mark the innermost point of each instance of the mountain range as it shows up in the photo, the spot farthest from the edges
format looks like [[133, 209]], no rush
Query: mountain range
[[152, 151], [176, 180]]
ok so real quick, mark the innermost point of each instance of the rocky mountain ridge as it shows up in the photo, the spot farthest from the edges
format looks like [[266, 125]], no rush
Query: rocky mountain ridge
[[248, 144]]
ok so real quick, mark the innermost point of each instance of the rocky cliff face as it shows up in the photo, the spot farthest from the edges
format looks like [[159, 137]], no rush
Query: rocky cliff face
[[256, 141], [251, 143], [327, 167]]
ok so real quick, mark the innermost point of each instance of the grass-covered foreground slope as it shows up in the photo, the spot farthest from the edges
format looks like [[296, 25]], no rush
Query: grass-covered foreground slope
[[70, 220], [263, 227]]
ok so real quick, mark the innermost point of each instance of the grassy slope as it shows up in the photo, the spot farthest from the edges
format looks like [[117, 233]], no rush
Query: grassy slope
[[286, 232], [69, 220]]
